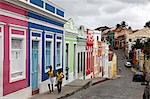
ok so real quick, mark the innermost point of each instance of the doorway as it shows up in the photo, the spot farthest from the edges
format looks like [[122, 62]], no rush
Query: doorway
[[35, 63], [74, 62], [67, 61]]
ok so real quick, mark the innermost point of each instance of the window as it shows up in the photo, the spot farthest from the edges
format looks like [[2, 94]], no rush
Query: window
[[81, 61], [78, 62], [48, 55], [58, 54], [87, 64], [67, 55], [89, 59], [84, 62], [17, 59], [74, 60], [97, 38]]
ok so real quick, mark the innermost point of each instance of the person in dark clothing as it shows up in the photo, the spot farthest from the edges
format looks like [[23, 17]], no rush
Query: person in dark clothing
[[60, 76]]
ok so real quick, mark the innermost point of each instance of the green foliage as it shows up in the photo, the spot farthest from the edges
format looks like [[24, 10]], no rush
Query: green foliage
[[138, 44], [143, 45], [147, 24], [147, 47]]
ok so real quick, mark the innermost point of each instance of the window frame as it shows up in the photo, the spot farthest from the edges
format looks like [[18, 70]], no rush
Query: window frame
[[2, 55], [81, 66], [52, 51], [67, 43], [60, 41], [78, 62], [23, 38]]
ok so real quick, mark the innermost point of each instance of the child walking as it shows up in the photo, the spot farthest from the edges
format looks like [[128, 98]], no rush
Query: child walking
[[60, 76], [51, 79]]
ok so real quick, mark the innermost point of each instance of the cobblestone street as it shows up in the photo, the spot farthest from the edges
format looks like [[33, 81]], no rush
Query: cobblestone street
[[121, 88]]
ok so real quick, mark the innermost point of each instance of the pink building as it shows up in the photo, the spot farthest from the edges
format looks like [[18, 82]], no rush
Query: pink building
[[90, 58], [13, 49]]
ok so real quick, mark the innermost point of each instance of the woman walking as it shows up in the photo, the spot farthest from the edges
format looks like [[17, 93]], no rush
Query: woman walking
[[60, 76], [51, 79]]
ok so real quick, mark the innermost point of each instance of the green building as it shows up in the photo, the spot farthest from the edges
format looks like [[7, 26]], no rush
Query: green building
[[111, 36], [70, 54]]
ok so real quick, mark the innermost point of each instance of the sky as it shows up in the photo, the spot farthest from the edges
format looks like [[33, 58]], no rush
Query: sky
[[96, 13]]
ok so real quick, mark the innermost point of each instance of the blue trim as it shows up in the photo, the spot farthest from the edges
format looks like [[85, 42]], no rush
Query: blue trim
[[28, 57], [55, 52], [58, 37], [44, 75], [36, 16], [44, 28], [49, 8], [36, 34], [63, 52], [37, 3], [49, 36], [37, 26], [59, 12]]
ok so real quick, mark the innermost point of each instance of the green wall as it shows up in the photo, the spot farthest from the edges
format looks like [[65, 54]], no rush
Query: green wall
[[111, 36], [71, 40]]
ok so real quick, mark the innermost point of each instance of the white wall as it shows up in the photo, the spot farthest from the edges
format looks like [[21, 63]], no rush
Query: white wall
[[81, 47]]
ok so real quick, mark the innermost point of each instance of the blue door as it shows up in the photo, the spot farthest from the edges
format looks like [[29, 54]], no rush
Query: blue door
[[35, 65]]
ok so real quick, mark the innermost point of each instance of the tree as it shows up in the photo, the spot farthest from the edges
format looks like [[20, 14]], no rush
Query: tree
[[147, 24], [118, 26], [129, 28], [123, 24], [138, 44], [145, 46]]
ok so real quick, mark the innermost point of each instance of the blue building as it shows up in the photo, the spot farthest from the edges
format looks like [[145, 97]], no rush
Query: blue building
[[46, 42], [31, 39]]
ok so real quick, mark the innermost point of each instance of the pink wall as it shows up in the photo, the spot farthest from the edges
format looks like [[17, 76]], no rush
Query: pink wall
[[15, 86], [17, 32], [89, 46], [12, 9]]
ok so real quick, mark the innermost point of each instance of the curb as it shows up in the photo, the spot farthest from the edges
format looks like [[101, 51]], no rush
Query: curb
[[116, 77], [69, 94], [99, 81]]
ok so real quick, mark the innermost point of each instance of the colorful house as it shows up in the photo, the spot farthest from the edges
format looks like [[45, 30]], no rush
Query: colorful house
[[70, 56], [31, 39], [14, 46], [105, 59], [97, 54], [89, 50], [46, 44], [81, 53], [111, 38]]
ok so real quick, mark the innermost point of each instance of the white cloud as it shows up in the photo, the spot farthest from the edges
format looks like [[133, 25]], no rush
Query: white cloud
[[95, 13]]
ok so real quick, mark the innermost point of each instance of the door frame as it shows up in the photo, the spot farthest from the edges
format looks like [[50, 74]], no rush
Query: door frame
[[2, 57], [67, 43], [39, 39], [75, 61]]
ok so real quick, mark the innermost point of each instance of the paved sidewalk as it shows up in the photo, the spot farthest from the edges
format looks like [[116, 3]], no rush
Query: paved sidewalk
[[70, 89], [133, 70], [98, 80], [67, 90]]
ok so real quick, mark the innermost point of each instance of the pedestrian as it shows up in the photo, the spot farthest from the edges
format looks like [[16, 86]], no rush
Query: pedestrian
[[51, 79], [60, 76]]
